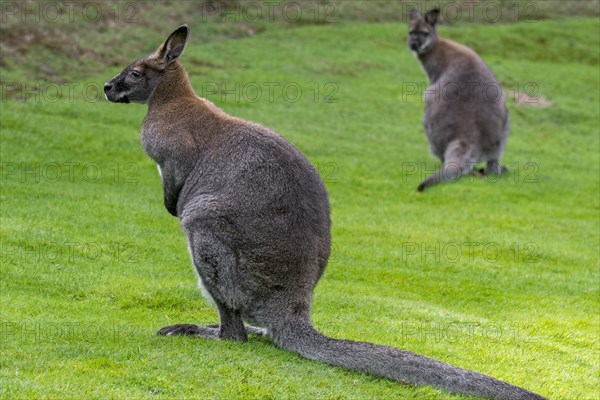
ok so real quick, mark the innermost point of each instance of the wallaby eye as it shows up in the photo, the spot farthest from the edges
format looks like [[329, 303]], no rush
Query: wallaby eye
[[135, 73]]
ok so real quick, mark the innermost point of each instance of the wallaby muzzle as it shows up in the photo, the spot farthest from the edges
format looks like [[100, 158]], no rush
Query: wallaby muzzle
[[112, 94]]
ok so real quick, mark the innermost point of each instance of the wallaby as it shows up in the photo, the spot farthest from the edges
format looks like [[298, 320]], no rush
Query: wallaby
[[257, 220], [466, 120]]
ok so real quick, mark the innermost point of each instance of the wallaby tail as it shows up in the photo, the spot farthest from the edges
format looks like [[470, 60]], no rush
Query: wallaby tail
[[450, 172], [402, 366]]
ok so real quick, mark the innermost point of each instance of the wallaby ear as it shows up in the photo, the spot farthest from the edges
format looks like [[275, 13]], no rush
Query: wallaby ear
[[414, 15], [172, 48], [431, 17]]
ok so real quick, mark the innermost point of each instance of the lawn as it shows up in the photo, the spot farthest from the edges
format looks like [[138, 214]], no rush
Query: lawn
[[498, 276]]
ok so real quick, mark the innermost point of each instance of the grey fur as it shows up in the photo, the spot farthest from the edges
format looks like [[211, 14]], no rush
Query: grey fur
[[256, 215], [466, 120]]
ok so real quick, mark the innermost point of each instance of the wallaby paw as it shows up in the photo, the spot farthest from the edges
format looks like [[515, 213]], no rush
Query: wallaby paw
[[180, 330]]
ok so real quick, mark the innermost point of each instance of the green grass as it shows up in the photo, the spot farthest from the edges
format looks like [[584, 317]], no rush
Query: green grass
[[92, 264]]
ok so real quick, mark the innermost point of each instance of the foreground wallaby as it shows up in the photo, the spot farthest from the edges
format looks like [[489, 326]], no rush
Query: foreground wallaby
[[466, 120], [256, 216]]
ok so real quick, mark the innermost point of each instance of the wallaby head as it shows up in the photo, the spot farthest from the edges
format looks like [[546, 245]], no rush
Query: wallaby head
[[422, 35], [137, 82]]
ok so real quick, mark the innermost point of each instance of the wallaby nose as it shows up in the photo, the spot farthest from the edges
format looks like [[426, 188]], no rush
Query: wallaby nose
[[107, 87]]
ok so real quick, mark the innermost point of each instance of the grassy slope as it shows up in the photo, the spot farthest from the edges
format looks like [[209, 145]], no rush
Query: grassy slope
[[111, 303], [39, 46]]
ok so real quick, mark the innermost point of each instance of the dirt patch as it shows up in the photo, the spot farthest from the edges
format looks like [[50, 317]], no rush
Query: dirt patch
[[523, 99]]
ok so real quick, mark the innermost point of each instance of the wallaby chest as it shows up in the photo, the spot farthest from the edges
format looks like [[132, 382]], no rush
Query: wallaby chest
[[166, 142]]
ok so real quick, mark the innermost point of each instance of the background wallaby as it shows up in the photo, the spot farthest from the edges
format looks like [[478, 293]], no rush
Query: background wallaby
[[256, 216], [466, 120]]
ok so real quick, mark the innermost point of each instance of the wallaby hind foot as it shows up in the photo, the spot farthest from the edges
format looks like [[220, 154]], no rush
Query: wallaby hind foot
[[231, 327], [190, 330], [250, 329], [209, 332], [493, 168]]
